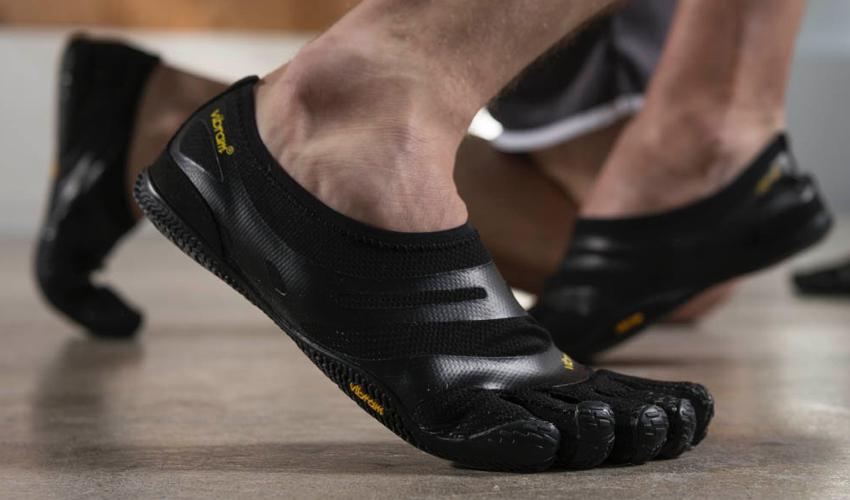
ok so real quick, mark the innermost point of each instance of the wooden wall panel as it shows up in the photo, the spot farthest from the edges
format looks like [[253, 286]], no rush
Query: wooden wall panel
[[297, 15]]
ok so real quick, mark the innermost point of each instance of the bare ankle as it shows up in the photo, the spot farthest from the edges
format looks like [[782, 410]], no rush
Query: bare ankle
[[169, 97], [718, 141], [665, 159], [369, 143]]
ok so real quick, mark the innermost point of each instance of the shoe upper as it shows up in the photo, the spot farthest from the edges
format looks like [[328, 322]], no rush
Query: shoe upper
[[418, 329], [619, 274]]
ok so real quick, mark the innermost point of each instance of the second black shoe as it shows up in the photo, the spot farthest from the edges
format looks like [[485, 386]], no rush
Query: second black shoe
[[827, 279], [419, 329], [100, 84], [620, 275]]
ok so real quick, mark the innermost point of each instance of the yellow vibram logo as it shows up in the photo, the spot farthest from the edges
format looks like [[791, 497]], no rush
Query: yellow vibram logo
[[768, 180], [630, 323], [221, 144], [362, 396], [567, 362]]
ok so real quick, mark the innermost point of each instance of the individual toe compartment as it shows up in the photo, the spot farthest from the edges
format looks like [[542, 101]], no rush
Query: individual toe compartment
[[682, 423], [697, 394], [681, 416], [478, 429], [587, 428], [640, 429], [641, 432]]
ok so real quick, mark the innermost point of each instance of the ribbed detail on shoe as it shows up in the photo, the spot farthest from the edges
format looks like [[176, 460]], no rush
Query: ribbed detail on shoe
[[503, 337], [379, 301], [324, 236]]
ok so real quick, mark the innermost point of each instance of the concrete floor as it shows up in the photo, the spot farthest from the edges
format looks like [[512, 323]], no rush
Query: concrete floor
[[213, 401]]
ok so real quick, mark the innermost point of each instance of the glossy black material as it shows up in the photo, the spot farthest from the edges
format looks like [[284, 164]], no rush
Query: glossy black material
[[543, 407], [827, 279], [88, 212], [620, 275]]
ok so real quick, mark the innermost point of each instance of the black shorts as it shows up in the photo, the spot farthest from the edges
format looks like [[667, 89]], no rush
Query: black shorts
[[591, 81]]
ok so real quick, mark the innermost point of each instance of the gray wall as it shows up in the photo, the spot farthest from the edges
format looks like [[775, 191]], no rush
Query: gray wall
[[818, 104]]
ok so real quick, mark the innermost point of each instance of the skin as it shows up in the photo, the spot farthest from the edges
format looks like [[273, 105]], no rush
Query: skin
[[168, 99], [415, 74], [399, 120], [716, 99]]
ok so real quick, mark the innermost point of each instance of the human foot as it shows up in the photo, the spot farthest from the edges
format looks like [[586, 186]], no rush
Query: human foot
[[664, 160], [89, 212], [398, 150], [417, 328], [523, 218], [621, 274], [118, 108], [169, 97], [534, 199]]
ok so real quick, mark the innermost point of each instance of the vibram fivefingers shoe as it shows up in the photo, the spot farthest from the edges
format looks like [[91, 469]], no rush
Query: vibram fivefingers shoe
[[828, 279], [100, 85], [620, 275], [419, 329]]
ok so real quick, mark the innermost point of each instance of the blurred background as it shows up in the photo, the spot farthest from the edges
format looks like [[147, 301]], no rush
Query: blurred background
[[212, 401], [209, 37]]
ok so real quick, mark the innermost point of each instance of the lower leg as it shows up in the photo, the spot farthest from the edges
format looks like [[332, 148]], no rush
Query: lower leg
[[170, 96], [376, 107], [574, 165], [524, 207], [524, 219], [716, 99]]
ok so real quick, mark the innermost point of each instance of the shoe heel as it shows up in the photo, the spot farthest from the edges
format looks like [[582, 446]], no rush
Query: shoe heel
[[173, 204]]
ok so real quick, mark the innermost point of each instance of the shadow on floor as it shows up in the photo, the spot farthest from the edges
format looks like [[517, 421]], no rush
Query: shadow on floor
[[73, 431], [72, 423]]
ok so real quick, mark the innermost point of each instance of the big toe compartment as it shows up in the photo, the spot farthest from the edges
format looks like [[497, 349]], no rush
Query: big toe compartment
[[479, 429], [697, 394]]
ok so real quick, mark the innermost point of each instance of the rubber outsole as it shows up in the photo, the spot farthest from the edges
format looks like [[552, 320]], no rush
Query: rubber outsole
[[525, 446]]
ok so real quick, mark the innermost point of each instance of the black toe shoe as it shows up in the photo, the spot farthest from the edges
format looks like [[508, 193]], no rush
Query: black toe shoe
[[620, 275], [100, 85], [826, 280], [419, 329]]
